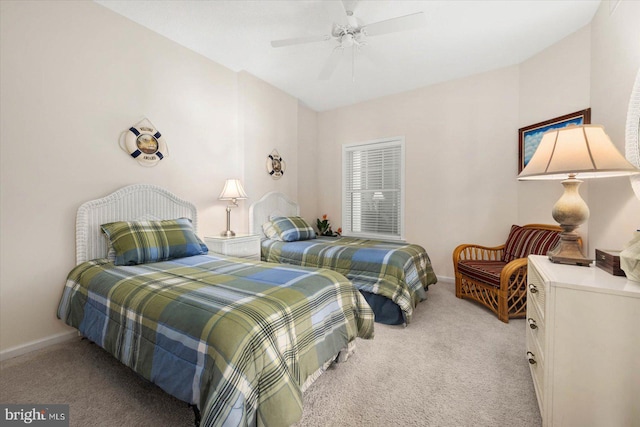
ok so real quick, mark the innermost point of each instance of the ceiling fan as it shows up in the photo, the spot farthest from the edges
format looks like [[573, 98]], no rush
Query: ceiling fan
[[354, 35]]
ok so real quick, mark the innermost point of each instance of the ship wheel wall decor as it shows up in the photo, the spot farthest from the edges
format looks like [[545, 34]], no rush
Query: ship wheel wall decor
[[275, 165]]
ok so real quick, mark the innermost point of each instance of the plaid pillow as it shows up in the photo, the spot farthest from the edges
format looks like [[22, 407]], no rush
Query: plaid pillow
[[523, 242], [292, 228], [270, 231], [141, 242]]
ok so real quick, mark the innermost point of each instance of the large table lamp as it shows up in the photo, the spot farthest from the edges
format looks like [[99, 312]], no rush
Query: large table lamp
[[583, 151], [232, 191]]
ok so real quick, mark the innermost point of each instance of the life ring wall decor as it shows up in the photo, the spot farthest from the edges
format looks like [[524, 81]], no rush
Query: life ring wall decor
[[275, 165], [145, 143]]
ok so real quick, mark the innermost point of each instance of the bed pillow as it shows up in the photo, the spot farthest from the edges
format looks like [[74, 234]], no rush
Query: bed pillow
[[141, 242], [270, 231], [292, 228], [523, 242]]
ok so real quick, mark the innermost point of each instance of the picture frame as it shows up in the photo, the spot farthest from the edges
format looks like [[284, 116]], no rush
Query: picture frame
[[529, 137]]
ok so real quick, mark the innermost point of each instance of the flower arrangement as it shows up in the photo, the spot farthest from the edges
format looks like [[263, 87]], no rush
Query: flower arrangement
[[324, 227]]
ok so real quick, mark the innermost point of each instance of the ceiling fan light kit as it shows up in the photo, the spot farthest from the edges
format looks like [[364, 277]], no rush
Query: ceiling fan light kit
[[353, 35]]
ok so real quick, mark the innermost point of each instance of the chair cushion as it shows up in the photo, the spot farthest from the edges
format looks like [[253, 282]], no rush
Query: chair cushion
[[482, 271], [523, 242]]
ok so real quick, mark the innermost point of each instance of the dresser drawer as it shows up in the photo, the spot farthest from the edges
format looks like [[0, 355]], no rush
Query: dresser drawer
[[535, 357], [585, 346], [535, 289], [535, 323]]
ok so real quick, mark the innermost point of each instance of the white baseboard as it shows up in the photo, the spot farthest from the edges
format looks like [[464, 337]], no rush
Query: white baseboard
[[37, 345], [445, 279]]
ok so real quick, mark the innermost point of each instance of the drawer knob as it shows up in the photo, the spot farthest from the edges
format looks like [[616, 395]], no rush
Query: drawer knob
[[532, 323], [532, 288], [531, 358]]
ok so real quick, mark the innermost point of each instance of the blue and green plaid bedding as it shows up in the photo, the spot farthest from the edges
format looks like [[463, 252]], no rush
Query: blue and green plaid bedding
[[400, 272], [141, 242], [238, 338]]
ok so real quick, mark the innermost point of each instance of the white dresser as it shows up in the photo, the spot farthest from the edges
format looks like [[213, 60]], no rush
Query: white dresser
[[240, 245], [583, 345]]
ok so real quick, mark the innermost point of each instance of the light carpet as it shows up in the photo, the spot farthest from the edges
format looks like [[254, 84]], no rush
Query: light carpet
[[456, 365]]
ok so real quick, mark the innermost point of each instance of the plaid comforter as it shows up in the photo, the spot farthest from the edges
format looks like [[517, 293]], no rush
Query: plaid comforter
[[238, 338], [400, 272]]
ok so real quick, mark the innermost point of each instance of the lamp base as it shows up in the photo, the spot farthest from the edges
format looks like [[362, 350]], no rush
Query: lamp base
[[569, 251], [570, 211], [228, 232]]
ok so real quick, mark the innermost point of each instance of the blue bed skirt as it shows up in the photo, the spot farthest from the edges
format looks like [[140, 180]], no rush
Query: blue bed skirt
[[386, 311]]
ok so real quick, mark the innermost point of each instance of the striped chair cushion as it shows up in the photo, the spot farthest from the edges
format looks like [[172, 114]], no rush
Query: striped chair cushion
[[482, 271], [523, 242]]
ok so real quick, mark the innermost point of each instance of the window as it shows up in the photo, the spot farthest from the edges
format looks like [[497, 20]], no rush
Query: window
[[373, 189]]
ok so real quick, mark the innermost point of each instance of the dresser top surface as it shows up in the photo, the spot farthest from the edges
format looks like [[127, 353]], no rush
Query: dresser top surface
[[584, 278]]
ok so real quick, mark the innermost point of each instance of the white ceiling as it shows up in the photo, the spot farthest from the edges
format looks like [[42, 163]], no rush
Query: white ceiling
[[460, 38]]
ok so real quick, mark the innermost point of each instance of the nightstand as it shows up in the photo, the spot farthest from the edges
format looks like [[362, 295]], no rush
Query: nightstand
[[240, 245]]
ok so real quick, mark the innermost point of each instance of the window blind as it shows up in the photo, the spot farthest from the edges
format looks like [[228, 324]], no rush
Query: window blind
[[373, 192]]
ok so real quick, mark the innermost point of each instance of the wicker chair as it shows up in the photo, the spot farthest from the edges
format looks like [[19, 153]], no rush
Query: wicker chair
[[497, 276]]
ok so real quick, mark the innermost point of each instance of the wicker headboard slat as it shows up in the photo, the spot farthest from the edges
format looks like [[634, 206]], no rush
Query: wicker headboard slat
[[132, 203], [273, 203]]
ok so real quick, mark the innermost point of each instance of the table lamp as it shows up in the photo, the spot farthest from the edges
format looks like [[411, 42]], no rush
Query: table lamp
[[567, 153], [232, 191]]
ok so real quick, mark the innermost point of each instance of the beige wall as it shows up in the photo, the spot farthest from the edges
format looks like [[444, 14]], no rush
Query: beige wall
[[269, 120], [553, 83], [615, 61], [461, 141], [460, 158], [308, 154], [73, 76], [595, 67]]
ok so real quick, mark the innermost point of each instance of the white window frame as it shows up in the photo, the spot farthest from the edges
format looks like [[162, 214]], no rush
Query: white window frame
[[363, 146]]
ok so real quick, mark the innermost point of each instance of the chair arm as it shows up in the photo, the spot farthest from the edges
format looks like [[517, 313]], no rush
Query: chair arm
[[472, 251], [515, 270]]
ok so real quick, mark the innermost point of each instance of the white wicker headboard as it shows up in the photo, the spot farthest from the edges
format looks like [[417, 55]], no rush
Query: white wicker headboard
[[132, 203], [271, 204]]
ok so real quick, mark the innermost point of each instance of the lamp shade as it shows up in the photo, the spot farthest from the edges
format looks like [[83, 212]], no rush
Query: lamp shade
[[585, 151], [232, 190]]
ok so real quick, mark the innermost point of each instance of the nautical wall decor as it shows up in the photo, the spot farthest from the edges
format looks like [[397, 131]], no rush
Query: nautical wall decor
[[144, 143], [275, 165]]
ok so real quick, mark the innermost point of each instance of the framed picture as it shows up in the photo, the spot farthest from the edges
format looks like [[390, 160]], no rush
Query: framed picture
[[529, 137]]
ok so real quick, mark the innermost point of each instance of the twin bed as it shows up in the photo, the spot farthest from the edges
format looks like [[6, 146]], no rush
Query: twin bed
[[393, 277], [239, 340]]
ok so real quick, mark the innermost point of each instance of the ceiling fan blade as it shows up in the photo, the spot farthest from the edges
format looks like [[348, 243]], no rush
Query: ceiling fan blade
[[299, 40], [337, 30], [401, 23], [331, 64]]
